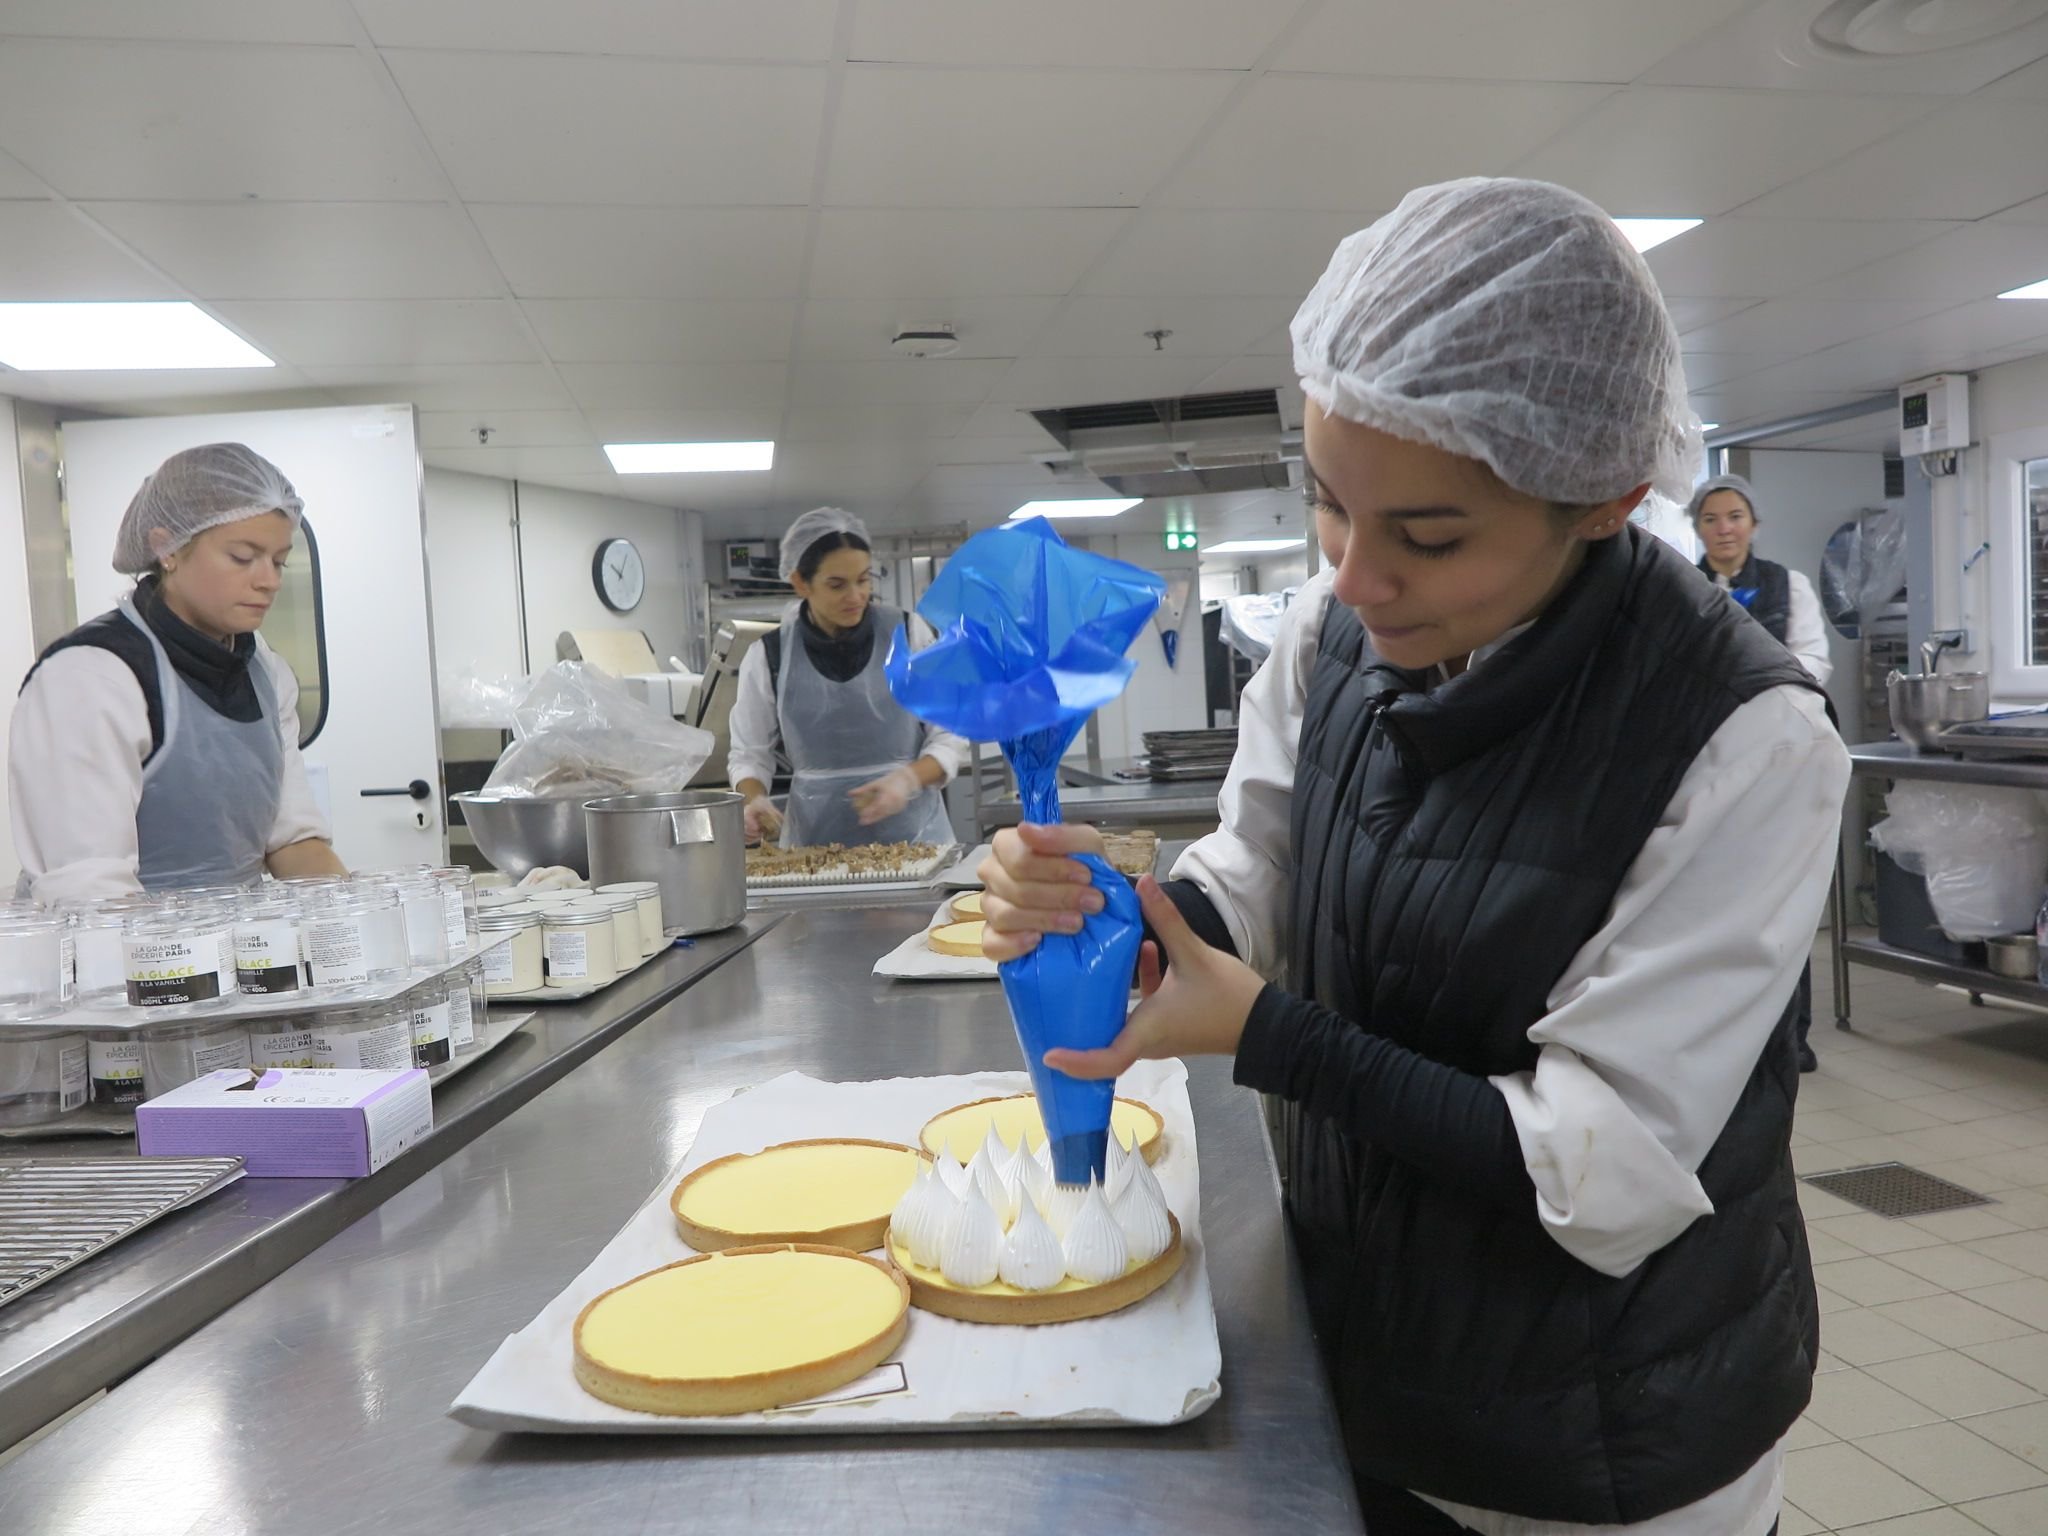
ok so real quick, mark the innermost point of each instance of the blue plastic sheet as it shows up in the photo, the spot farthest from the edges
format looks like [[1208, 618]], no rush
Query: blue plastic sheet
[[1032, 636]]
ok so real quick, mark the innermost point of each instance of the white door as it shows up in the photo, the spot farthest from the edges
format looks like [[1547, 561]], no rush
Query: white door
[[358, 470]]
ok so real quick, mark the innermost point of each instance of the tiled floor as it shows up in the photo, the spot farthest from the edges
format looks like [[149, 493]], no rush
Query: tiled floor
[[1930, 1417]]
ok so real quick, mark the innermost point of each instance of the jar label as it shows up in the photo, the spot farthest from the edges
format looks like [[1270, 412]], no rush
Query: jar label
[[461, 1019], [230, 1048], [98, 956], [115, 1067], [267, 956], [453, 919], [568, 954], [432, 1034], [380, 1046], [70, 963], [498, 964], [286, 1048], [337, 952], [73, 1083], [166, 972]]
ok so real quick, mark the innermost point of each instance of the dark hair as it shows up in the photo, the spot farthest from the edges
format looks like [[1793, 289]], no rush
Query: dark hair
[[808, 562]]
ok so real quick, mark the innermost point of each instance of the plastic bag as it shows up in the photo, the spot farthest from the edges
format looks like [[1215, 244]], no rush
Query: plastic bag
[[1252, 619], [1031, 641], [476, 700], [1982, 850], [580, 733], [1862, 569]]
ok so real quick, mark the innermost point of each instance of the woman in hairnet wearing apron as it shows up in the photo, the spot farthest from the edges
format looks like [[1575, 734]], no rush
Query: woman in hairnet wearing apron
[[1524, 844], [157, 746], [863, 769]]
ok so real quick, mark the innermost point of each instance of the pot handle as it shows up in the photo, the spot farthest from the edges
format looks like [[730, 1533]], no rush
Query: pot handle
[[688, 827]]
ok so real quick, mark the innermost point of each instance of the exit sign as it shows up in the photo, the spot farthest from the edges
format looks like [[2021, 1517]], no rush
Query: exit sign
[[1180, 538]]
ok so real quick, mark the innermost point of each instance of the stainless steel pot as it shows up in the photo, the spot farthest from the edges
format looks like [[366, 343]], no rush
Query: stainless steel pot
[[692, 844], [1916, 708], [1967, 697]]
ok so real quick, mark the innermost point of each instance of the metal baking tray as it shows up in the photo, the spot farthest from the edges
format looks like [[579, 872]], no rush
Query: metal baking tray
[[59, 1211]]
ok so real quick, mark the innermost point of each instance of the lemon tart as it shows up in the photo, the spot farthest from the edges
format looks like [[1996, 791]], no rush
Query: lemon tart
[[835, 1192], [964, 1127], [741, 1331], [1067, 1302], [966, 905], [956, 939]]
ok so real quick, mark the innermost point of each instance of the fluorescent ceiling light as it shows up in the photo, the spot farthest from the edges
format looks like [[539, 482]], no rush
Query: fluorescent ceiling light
[[1709, 426], [1253, 546], [53, 338], [2030, 291], [689, 458], [1106, 506], [1648, 234]]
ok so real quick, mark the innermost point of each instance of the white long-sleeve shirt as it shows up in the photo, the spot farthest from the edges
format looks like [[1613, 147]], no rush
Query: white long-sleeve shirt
[[757, 729], [75, 753], [1706, 935], [1806, 632]]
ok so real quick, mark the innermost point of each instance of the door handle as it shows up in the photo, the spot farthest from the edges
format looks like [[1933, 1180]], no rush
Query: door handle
[[418, 789]]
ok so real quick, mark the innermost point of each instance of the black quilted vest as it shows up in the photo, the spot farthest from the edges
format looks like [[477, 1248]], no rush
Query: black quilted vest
[[1764, 587], [1455, 848]]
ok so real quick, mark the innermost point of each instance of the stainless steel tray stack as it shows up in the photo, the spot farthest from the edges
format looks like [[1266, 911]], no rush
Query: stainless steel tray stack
[[1177, 756], [59, 1211]]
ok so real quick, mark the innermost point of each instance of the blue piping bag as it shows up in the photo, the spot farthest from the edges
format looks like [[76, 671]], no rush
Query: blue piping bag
[[1032, 636]]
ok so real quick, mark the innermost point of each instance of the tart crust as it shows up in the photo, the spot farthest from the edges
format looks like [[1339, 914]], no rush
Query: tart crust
[[963, 939], [753, 1391], [859, 1232], [1068, 1302]]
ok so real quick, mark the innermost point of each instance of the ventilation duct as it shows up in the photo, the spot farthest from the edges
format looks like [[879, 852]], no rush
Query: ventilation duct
[[1191, 446]]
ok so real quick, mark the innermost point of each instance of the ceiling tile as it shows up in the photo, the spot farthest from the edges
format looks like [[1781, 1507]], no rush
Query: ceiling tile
[[701, 387], [1247, 373], [1139, 34], [855, 329], [2032, 80], [1697, 153], [1704, 370], [336, 333], [855, 419], [1963, 162], [957, 253], [505, 386], [521, 463], [171, 121], [1099, 326], [1048, 381], [47, 252], [663, 330], [307, 250], [1784, 328], [2032, 212], [1015, 452], [1972, 263], [1969, 336], [909, 138], [1690, 314], [1258, 157], [703, 29], [899, 381], [1172, 252], [1002, 421], [654, 253], [1747, 400], [675, 424], [509, 429], [1763, 258], [16, 180], [204, 21], [546, 127], [167, 391], [1770, 46], [1500, 39]]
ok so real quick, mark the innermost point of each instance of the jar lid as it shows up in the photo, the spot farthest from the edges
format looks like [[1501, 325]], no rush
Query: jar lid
[[577, 917], [512, 917], [636, 887]]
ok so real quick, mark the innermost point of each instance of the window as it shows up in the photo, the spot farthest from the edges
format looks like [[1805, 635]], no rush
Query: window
[[296, 631], [2034, 505], [2015, 562]]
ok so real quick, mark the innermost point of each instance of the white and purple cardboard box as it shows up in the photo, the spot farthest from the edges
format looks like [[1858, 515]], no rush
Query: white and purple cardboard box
[[291, 1122]]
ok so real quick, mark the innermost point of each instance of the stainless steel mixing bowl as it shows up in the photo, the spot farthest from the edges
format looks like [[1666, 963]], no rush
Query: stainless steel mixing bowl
[[518, 834]]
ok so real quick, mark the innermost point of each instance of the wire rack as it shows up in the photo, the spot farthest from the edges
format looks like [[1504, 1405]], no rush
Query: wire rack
[[59, 1211]]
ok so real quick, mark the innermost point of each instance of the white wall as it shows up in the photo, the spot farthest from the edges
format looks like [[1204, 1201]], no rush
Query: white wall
[[17, 637], [475, 582], [1803, 496], [1159, 697]]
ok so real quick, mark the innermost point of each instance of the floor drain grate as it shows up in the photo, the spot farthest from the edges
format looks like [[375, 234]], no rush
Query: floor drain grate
[[1893, 1189]]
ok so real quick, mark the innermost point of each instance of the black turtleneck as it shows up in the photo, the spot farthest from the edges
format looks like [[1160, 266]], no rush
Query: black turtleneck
[[839, 659], [218, 673]]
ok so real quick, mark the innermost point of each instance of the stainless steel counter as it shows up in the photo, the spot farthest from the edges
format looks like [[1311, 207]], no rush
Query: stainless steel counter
[[1145, 803], [92, 1326], [316, 1406]]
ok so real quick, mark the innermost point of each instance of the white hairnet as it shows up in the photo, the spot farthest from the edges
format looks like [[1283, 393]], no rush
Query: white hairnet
[[1706, 488], [194, 490], [1509, 322], [813, 526]]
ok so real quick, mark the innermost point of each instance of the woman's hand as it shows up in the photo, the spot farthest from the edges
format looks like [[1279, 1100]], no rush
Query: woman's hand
[[1197, 1009], [762, 821], [879, 799], [1034, 886]]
